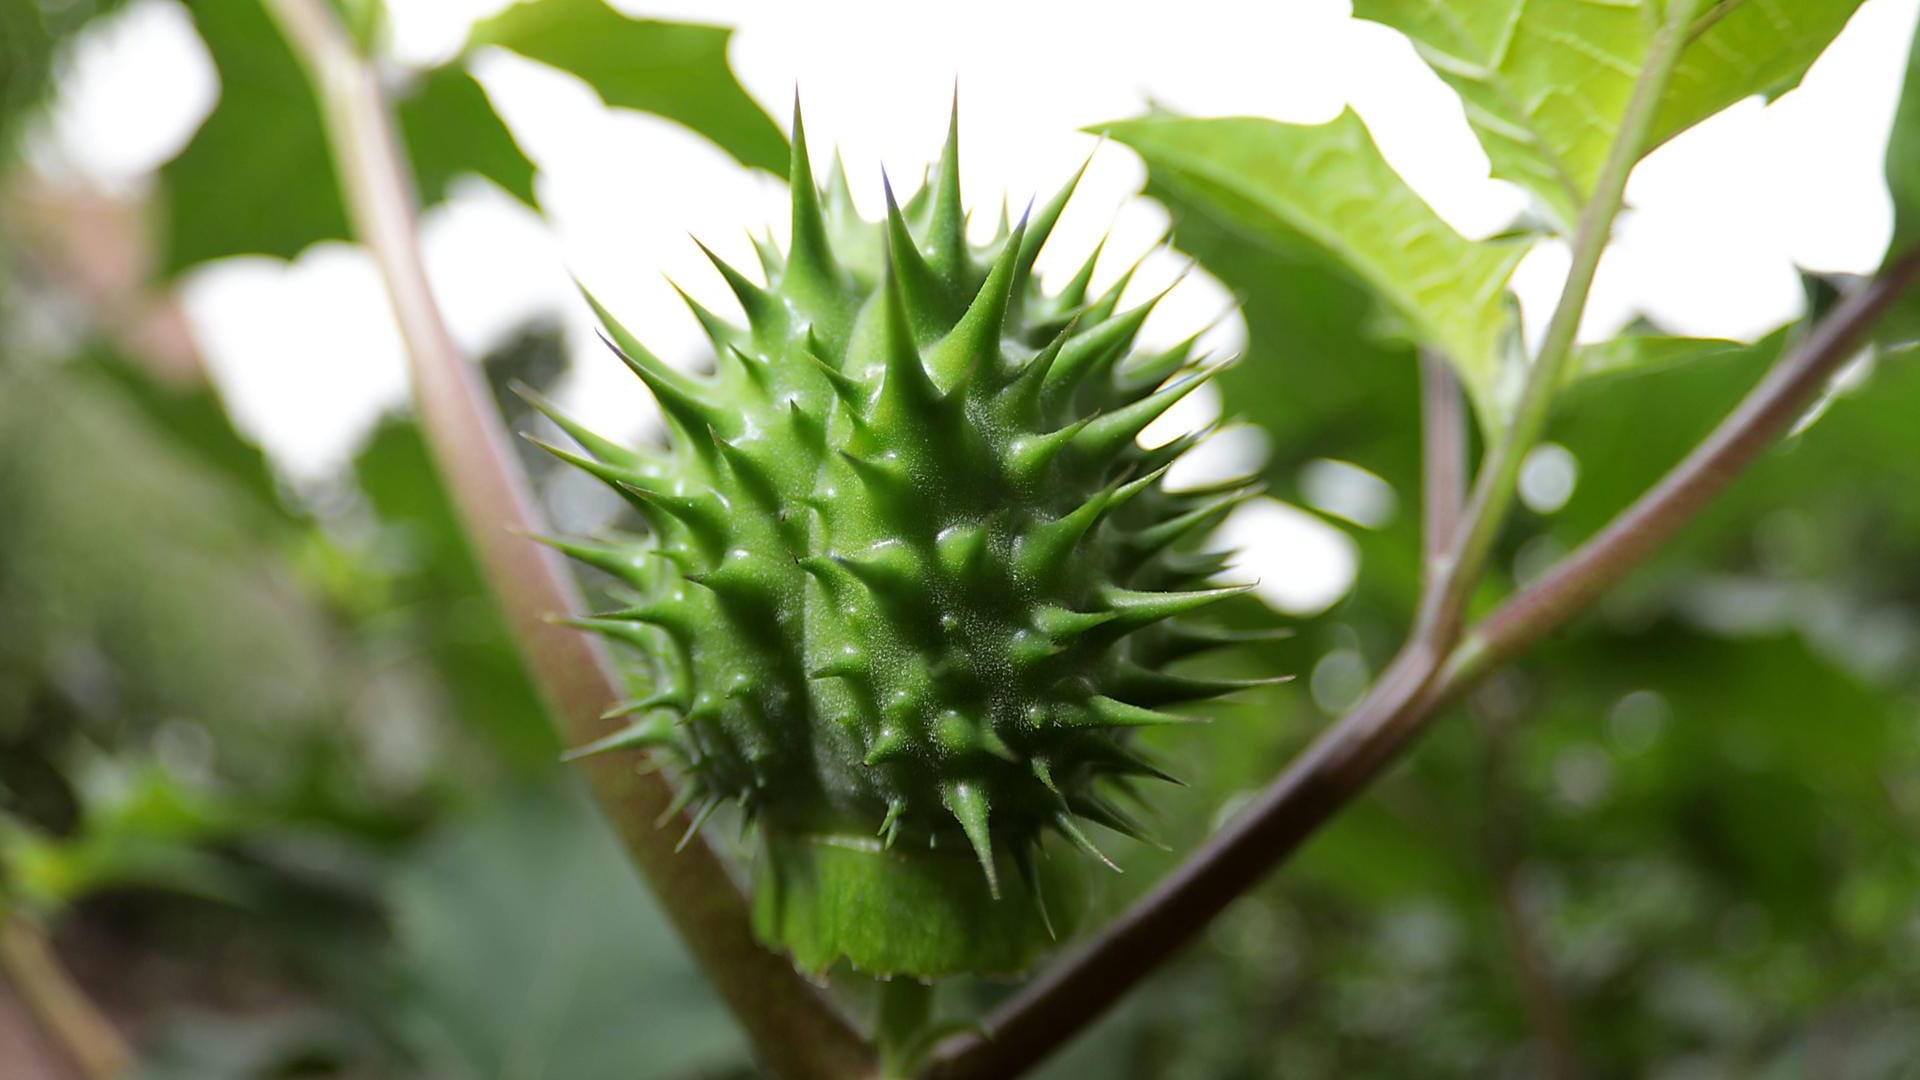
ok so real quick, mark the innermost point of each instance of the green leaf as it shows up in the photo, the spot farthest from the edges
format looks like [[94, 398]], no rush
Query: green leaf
[[1321, 381], [1327, 186], [451, 129], [1634, 353], [198, 619], [1313, 376], [674, 70], [1903, 156], [1846, 489], [194, 419], [1767, 769], [1840, 497], [532, 951], [258, 177], [142, 828], [1902, 325], [1627, 432], [1320, 378], [1546, 82]]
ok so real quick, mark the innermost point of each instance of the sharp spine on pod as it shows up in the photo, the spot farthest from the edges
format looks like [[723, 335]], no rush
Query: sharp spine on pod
[[910, 579]]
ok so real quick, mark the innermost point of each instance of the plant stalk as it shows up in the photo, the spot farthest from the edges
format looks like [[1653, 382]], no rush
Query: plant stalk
[[1766, 413], [64, 1011], [1501, 826], [1443, 460], [905, 1009], [795, 1029], [1499, 477]]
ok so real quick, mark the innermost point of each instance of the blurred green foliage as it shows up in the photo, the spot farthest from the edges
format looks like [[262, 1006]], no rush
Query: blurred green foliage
[[1513, 64], [31, 34], [685, 76], [258, 709], [258, 176], [270, 752]]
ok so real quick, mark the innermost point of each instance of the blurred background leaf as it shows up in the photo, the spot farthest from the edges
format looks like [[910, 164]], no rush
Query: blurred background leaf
[[1903, 181], [675, 70], [1513, 64], [1293, 186], [31, 33], [257, 177], [592, 985]]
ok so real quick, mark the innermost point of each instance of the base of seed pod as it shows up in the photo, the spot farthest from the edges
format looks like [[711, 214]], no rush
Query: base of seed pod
[[832, 898]]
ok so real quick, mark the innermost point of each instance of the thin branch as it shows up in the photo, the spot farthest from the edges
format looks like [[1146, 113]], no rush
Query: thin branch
[[1773, 405], [63, 1009], [1540, 996], [1443, 457], [1493, 490], [796, 1030]]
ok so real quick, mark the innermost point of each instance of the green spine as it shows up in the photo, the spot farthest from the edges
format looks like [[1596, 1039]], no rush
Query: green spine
[[911, 582]]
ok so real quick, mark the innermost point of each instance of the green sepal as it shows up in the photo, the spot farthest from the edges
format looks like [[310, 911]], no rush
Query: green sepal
[[831, 898]]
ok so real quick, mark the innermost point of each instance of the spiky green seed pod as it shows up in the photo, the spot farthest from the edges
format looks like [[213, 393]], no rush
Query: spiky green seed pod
[[912, 581]]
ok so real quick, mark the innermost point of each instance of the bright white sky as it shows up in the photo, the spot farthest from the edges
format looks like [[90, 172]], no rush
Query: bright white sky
[[307, 355]]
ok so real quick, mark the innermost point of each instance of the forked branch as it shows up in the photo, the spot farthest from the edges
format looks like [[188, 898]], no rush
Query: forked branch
[[1498, 480], [1632, 537]]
